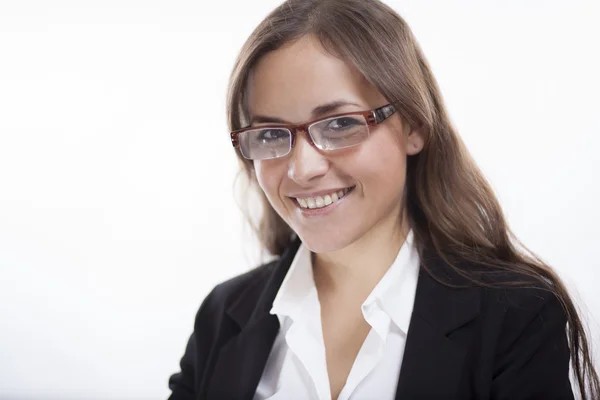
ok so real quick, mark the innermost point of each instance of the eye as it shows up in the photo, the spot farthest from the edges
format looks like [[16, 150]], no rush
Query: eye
[[342, 123], [269, 135]]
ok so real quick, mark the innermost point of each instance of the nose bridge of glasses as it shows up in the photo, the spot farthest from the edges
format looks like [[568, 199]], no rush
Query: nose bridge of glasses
[[306, 149], [302, 129]]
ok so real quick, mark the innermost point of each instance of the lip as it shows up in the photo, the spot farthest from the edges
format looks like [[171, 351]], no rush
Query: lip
[[318, 193]]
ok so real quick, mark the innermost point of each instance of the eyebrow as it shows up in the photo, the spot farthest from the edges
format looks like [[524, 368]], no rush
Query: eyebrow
[[316, 112]]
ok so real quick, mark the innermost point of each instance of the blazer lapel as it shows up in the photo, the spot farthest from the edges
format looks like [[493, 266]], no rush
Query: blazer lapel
[[241, 361], [432, 364]]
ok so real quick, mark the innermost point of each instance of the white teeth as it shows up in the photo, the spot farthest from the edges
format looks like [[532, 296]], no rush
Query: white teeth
[[319, 201], [322, 201]]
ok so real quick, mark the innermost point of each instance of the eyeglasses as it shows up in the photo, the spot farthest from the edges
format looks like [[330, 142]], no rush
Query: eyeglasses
[[332, 133]]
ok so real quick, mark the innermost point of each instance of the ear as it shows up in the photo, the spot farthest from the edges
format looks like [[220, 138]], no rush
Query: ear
[[415, 141]]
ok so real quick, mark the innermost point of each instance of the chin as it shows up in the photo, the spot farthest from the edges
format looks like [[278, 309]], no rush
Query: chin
[[324, 243]]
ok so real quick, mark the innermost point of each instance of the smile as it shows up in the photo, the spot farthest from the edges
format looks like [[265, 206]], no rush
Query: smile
[[323, 201]]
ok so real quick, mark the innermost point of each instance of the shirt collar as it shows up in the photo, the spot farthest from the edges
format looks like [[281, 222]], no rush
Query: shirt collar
[[297, 286], [394, 293]]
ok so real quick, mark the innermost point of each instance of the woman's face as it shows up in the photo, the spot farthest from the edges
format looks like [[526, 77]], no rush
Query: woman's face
[[287, 84]]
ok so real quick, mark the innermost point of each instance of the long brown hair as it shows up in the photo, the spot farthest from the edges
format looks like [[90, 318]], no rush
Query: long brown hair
[[450, 205]]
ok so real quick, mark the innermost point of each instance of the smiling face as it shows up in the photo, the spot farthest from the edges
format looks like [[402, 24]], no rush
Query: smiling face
[[293, 84]]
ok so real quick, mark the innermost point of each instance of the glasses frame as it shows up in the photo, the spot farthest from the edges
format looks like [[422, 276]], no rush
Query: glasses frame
[[373, 117]]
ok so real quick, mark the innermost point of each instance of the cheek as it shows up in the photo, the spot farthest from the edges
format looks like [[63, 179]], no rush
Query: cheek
[[383, 166], [268, 177], [261, 175], [386, 155]]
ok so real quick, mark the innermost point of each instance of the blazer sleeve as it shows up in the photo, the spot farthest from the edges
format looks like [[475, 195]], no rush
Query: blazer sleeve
[[182, 384], [185, 384], [534, 358]]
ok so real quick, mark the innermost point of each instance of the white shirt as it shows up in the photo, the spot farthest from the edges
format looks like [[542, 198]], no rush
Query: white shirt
[[297, 368]]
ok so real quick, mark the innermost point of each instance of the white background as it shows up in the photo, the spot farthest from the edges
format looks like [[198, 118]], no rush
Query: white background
[[116, 173]]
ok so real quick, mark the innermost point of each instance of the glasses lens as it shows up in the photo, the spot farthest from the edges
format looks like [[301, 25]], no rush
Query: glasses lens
[[265, 143], [339, 133]]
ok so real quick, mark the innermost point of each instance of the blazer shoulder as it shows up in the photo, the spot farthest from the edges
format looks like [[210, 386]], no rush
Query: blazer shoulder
[[211, 331], [227, 292], [512, 289], [525, 309], [512, 294], [506, 288], [527, 329]]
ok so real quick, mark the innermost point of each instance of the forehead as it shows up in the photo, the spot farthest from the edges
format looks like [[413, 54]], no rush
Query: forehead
[[290, 81]]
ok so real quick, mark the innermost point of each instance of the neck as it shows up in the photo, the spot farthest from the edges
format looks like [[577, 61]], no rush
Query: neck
[[357, 268]]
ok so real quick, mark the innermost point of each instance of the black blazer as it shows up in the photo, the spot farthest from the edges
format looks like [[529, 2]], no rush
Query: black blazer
[[465, 343]]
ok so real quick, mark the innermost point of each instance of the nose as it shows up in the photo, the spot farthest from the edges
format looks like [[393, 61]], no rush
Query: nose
[[306, 164]]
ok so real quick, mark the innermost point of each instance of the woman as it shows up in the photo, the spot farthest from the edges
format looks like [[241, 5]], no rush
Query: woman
[[397, 275]]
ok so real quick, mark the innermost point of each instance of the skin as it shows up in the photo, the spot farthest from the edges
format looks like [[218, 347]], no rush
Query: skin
[[356, 243]]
